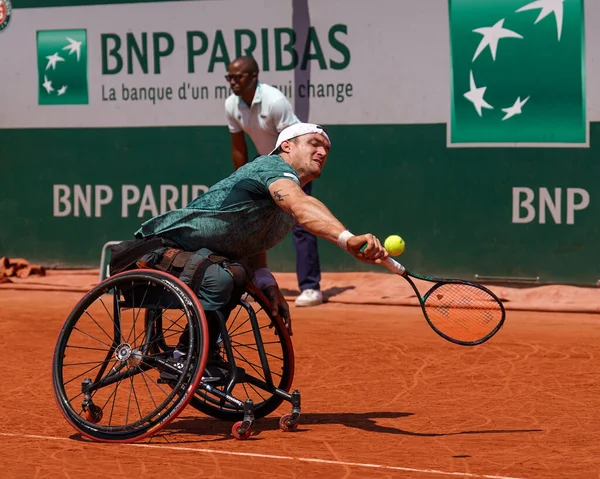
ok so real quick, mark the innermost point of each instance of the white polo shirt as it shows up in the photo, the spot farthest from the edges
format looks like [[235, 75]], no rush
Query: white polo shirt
[[269, 113]]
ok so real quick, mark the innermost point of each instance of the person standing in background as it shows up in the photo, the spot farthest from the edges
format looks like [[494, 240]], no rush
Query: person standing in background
[[262, 112]]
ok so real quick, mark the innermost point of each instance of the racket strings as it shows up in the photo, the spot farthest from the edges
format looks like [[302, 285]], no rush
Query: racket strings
[[462, 311]]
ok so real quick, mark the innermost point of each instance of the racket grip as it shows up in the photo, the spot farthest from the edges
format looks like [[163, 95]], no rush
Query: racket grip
[[390, 263], [394, 266]]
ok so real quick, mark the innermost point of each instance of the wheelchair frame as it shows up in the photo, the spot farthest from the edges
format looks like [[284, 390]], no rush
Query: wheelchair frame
[[103, 350]]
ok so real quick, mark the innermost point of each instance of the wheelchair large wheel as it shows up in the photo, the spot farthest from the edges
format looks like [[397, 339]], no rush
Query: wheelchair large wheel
[[106, 368], [256, 382]]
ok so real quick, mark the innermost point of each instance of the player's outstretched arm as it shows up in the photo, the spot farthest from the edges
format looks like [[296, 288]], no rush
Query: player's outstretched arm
[[316, 218]]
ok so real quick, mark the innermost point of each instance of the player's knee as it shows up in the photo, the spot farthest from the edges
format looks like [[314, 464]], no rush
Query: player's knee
[[216, 288]]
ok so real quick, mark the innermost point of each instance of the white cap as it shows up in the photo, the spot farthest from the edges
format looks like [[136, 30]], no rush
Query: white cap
[[299, 129]]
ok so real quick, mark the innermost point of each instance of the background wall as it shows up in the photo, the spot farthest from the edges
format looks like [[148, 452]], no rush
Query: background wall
[[470, 194]]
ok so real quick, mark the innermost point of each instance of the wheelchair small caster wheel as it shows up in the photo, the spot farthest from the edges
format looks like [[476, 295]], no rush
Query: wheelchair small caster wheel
[[241, 430], [93, 414], [286, 425]]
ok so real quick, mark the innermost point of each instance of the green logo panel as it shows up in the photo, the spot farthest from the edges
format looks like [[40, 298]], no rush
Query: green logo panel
[[518, 72], [62, 67]]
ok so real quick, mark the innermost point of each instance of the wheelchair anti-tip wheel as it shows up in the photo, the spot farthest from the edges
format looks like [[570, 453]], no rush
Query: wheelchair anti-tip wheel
[[106, 365]]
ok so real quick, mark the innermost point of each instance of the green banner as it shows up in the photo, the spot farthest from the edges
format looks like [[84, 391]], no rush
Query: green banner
[[518, 72], [62, 67]]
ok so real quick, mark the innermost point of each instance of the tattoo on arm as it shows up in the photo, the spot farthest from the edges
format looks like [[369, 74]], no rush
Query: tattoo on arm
[[279, 196]]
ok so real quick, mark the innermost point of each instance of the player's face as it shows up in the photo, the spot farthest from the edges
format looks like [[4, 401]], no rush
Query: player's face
[[312, 151], [240, 78]]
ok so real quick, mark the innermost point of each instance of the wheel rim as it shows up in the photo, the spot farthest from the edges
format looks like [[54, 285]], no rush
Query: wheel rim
[[118, 360]]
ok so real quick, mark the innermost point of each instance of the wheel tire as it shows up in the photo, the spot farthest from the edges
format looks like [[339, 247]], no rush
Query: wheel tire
[[156, 414]]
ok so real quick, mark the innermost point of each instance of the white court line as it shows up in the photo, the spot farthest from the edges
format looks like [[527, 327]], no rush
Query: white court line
[[281, 458]]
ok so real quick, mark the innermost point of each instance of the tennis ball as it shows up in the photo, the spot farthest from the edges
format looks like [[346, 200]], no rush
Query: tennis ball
[[394, 245]]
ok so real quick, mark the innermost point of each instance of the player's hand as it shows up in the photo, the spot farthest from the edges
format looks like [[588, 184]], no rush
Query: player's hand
[[373, 252], [279, 305]]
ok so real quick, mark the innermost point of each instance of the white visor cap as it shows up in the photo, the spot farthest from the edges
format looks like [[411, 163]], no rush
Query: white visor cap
[[299, 129]]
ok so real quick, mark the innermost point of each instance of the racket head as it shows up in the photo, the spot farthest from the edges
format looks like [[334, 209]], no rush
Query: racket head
[[463, 312]]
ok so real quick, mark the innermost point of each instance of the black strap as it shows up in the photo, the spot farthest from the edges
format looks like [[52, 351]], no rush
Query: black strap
[[187, 266], [156, 252], [194, 270]]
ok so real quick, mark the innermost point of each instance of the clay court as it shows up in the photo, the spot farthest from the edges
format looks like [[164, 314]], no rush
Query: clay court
[[382, 396]]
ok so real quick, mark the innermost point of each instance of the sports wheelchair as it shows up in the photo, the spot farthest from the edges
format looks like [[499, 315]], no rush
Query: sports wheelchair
[[113, 350]]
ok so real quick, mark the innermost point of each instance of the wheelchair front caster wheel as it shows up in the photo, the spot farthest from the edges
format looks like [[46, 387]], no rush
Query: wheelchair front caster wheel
[[93, 414], [241, 430], [287, 423]]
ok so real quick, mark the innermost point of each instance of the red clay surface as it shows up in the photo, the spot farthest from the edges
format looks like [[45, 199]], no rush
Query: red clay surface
[[382, 396]]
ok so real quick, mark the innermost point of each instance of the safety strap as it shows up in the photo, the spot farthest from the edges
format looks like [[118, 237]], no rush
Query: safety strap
[[189, 267], [194, 270], [156, 253]]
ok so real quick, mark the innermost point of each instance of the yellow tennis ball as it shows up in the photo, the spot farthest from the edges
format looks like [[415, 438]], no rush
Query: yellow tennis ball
[[394, 245]]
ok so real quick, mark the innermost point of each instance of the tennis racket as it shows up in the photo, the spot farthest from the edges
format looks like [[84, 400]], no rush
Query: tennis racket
[[461, 312]]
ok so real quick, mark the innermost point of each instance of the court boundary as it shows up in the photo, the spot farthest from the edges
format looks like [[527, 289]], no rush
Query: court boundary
[[281, 458]]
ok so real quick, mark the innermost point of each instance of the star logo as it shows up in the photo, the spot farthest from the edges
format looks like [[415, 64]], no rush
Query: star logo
[[53, 59], [491, 37], [47, 85], [475, 96], [62, 67], [74, 47], [518, 73], [547, 7], [515, 109]]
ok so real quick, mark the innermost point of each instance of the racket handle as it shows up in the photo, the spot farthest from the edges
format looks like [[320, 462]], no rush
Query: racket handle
[[390, 263], [394, 266]]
